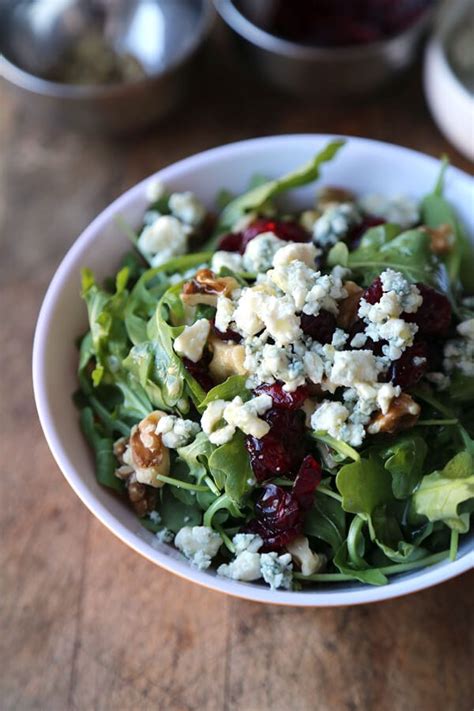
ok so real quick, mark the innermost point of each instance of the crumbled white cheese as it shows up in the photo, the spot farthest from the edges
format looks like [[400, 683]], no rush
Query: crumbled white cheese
[[332, 417], [399, 209], [259, 252], [155, 190], [154, 517], [187, 208], [352, 367], [335, 223], [164, 536], [247, 542], [385, 394], [299, 251], [245, 566], [163, 239], [226, 260], [224, 313], [199, 544], [245, 415], [192, 340], [466, 329], [213, 424], [408, 294], [176, 432], [277, 570]]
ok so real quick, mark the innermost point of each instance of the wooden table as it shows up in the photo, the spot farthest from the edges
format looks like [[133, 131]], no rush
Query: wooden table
[[87, 623]]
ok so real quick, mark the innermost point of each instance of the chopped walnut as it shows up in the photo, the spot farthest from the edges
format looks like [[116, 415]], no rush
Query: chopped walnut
[[402, 414], [442, 238], [227, 359], [146, 453], [330, 196], [143, 498], [348, 307], [205, 287]]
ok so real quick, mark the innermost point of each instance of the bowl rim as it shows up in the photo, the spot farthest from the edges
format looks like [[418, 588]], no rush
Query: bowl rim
[[28, 81], [295, 50], [322, 597]]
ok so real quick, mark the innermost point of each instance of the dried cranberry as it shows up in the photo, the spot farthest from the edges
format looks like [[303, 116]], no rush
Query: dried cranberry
[[433, 317], [410, 367], [231, 242], [358, 231], [308, 478], [272, 540], [280, 452], [200, 372], [228, 335], [374, 292], [288, 231], [278, 508], [321, 327], [268, 457], [281, 398]]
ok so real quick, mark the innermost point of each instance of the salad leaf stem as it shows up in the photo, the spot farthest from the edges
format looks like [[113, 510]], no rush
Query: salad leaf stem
[[212, 486], [227, 542], [340, 447], [181, 484], [355, 542], [387, 570], [433, 423], [453, 546]]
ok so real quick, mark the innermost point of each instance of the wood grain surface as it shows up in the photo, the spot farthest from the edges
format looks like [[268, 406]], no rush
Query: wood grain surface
[[85, 622]]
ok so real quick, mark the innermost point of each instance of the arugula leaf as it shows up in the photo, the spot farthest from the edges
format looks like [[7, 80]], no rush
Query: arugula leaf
[[461, 388], [385, 531], [364, 485], [230, 462], [384, 247], [404, 459], [259, 195], [103, 449], [372, 576], [196, 456], [327, 521], [436, 211], [108, 339], [230, 388], [175, 513], [440, 493]]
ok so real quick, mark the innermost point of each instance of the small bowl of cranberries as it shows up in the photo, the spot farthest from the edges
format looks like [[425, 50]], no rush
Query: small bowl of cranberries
[[328, 48]]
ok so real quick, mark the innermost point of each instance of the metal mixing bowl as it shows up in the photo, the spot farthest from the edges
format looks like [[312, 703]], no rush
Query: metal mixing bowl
[[163, 35], [322, 71]]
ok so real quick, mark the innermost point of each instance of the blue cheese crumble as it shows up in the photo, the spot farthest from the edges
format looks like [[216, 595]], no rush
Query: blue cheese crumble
[[277, 570], [199, 544], [176, 432], [335, 223], [400, 209]]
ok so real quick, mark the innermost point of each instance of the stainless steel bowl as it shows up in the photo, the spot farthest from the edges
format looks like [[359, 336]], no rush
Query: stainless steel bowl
[[321, 71], [163, 35]]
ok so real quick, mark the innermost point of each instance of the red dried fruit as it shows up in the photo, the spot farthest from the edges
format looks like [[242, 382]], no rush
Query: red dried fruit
[[281, 398], [272, 540], [228, 335], [231, 242], [288, 231], [321, 327], [280, 452], [200, 372], [277, 508], [307, 480], [410, 367], [268, 457], [433, 317], [374, 292]]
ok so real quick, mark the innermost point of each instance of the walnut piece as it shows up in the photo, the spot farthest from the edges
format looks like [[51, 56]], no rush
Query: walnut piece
[[402, 414], [146, 453], [330, 196], [205, 287], [442, 238], [142, 497], [308, 561], [348, 307]]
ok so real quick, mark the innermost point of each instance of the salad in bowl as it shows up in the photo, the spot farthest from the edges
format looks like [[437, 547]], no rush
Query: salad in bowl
[[286, 396]]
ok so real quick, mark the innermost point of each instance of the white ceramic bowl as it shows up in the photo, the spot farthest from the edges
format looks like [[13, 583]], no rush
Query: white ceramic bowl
[[363, 165]]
